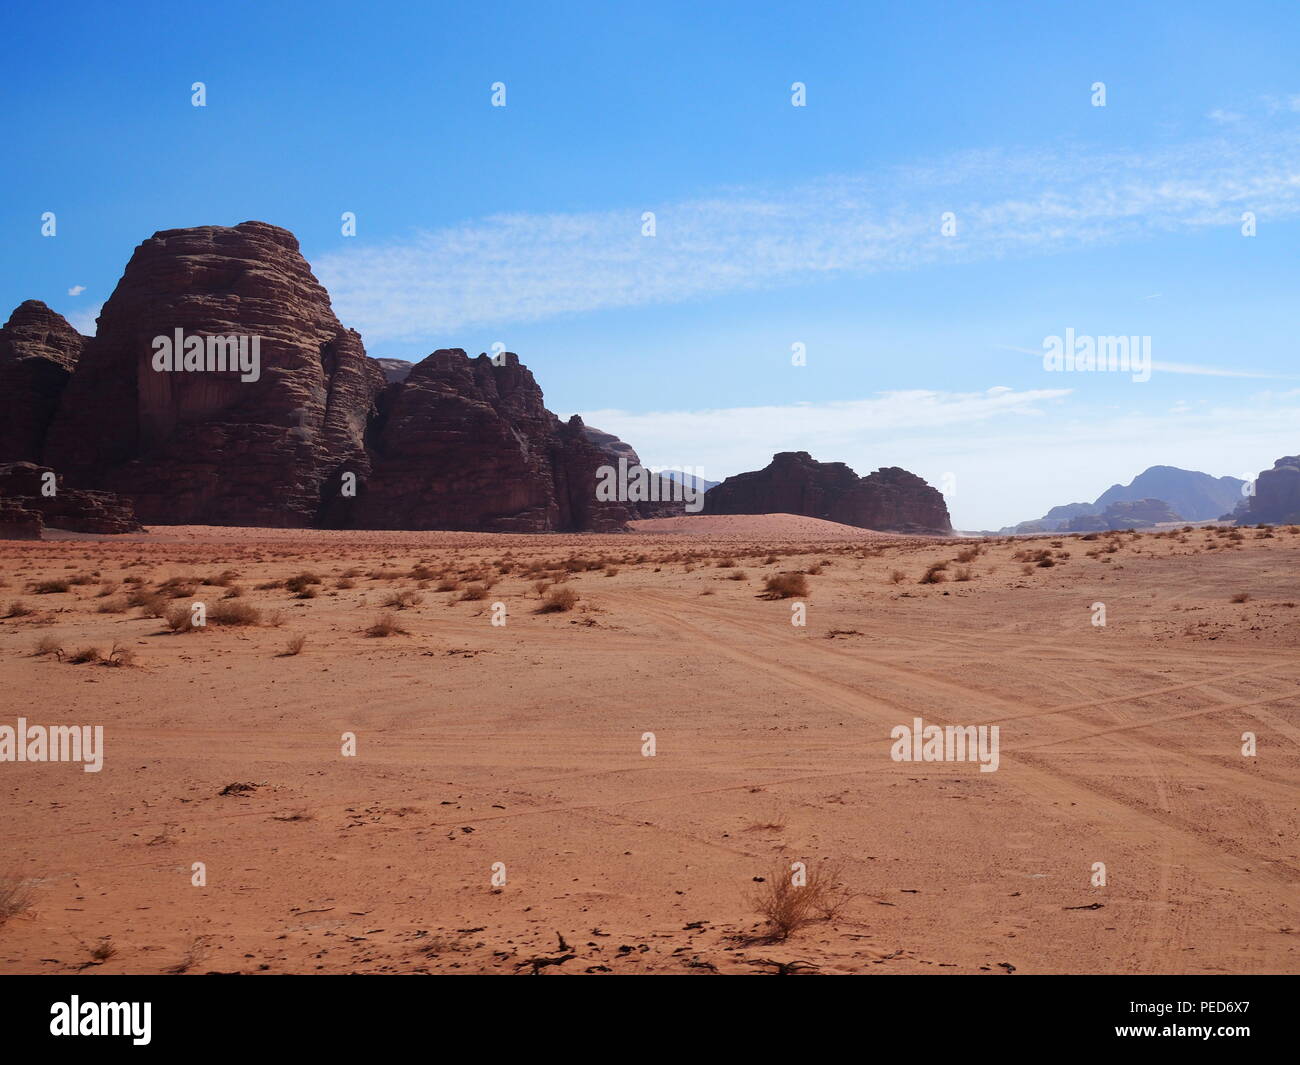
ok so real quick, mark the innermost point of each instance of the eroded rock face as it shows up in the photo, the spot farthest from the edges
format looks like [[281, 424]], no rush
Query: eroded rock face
[[466, 443], [38, 352], [208, 447], [890, 499], [1277, 494], [317, 433], [24, 496]]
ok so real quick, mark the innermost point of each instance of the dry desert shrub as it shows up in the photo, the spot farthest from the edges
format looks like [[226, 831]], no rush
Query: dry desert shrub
[[294, 646], [194, 955], [50, 587], [15, 896], [963, 573], [447, 584], [785, 585], [541, 587], [102, 951], [47, 645], [386, 625], [473, 593], [233, 612], [119, 656], [935, 574], [897, 576], [401, 600], [180, 618], [786, 907], [111, 606], [18, 609], [738, 575], [86, 654], [558, 600], [1240, 597]]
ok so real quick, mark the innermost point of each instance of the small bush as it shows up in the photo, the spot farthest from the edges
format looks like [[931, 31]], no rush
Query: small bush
[[47, 645], [401, 600], [559, 600], [1240, 597], [50, 587], [786, 585], [18, 609], [234, 612], [86, 654], [386, 625], [295, 645], [787, 908], [15, 896]]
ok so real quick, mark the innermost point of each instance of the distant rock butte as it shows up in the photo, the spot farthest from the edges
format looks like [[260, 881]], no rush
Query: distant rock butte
[[890, 500], [1277, 495], [1124, 514], [451, 442]]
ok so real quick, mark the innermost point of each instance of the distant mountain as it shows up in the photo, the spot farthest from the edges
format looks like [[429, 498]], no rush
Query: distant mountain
[[1191, 496], [701, 484], [1124, 514]]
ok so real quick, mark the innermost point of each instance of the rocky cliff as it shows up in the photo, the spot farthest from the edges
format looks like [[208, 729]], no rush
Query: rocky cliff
[[221, 389], [38, 352], [32, 497], [1277, 495], [890, 499]]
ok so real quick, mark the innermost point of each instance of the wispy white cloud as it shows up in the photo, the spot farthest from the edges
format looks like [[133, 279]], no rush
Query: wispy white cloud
[[525, 267], [1192, 369]]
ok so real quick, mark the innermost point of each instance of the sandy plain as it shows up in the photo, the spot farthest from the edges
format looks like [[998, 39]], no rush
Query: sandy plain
[[522, 744]]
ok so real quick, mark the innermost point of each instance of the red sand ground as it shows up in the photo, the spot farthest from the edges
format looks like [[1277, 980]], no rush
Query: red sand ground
[[522, 745]]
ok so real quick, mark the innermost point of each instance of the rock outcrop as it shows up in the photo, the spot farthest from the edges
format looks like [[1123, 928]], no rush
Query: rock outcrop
[[38, 352], [1277, 495], [891, 499], [1125, 514], [467, 443], [311, 431], [32, 497], [208, 446]]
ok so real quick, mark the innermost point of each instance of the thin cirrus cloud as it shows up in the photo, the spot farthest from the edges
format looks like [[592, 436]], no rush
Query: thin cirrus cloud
[[527, 267], [1191, 369]]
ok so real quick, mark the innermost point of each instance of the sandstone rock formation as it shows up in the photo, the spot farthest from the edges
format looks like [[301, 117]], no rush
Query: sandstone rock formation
[[467, 443], [316, 434], [38, 352], [890, 499], [1277, 495], [27, 507], [1125, 514], [206, 446]]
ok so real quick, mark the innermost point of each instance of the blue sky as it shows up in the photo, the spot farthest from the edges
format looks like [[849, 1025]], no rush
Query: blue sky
[[775, 224]]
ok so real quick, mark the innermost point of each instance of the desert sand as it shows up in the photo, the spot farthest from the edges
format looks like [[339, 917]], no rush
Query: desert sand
[[522, 744]]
